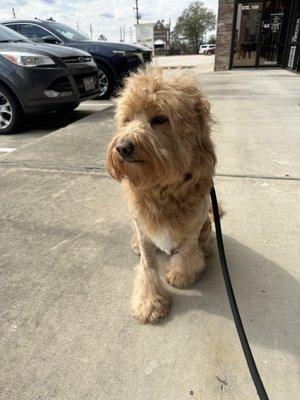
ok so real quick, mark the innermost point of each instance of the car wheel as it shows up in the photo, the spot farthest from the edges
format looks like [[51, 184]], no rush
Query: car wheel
[[106, 82], [10, 112]]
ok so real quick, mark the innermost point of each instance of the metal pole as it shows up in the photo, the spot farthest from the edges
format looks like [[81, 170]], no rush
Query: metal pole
[[136, 8]]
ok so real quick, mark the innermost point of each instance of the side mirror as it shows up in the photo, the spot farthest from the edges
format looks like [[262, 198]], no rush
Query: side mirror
[[51, 40]]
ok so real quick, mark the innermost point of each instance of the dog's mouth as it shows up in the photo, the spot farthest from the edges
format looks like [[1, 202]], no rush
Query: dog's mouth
[[132, 161]]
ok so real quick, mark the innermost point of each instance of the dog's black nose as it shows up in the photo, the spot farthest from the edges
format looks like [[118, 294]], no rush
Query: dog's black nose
[[125, 149]]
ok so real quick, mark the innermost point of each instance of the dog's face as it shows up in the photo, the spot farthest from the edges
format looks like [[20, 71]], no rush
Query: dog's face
[[162, 130]]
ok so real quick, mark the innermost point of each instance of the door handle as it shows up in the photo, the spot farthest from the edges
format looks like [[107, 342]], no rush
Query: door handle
[[259, 39]]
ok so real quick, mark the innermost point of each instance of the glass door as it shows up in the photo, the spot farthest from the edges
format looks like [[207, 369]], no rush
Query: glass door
[[246, 36], [272, 39], [260, 33]]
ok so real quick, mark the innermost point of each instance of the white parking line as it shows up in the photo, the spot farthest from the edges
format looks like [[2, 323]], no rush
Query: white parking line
[[7, 149]]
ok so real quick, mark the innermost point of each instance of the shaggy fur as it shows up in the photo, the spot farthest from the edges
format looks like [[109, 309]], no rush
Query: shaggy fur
[[166, 179]]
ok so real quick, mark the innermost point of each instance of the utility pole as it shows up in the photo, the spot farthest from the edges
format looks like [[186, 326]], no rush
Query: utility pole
[[136, 8], [91, 31], [124, 34], [14, 13], [77, 24], [121, 37], [130, 32]]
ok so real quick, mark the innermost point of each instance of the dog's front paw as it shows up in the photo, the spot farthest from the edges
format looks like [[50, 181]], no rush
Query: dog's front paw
[[150, 309], [180, 279]]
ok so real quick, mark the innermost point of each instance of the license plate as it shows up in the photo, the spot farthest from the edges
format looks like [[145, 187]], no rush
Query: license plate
[[89, 84]]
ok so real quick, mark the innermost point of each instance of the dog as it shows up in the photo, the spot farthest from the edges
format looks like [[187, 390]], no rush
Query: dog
[[164, 157]]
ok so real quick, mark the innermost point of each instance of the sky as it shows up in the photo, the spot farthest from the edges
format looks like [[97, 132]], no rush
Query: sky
[[105, 16]]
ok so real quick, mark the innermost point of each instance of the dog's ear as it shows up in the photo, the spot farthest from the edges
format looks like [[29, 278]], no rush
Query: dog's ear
[[205, 121]]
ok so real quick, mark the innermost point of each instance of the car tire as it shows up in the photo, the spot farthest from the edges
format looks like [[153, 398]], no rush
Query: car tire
[[10, 111], [106, 82]]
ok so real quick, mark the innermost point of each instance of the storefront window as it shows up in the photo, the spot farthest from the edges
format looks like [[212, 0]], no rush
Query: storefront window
[[260, 33]]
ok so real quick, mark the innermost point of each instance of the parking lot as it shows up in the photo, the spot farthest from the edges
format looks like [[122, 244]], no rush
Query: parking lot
[[37, 126]]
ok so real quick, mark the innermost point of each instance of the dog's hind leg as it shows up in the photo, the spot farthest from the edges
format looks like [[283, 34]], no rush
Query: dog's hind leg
[[205, 237], [135, 243], [186, 266], [150, 300]]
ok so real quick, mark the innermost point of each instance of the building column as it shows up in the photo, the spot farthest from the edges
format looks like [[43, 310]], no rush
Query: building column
[[224, 34]]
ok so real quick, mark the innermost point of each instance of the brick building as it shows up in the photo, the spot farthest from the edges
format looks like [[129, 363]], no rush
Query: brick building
[[162, 35], [254, 34]]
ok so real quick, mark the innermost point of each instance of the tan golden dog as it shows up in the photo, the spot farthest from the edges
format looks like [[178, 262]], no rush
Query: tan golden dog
[[164, 156]]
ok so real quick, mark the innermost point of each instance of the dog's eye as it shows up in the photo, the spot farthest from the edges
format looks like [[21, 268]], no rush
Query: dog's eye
[[126, 120], [159, 119]]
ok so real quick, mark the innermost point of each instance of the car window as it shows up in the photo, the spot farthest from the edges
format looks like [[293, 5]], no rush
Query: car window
[[212, 45], [15, 27], [68, 32], [34, 32], [9, 35]]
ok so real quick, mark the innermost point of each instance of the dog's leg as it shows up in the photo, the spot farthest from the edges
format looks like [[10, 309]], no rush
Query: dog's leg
[[186, 266], [135, 243], [205, 238], [150, 301]]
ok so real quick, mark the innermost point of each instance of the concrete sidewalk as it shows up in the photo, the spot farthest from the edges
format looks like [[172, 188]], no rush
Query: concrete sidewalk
[[66, 263]]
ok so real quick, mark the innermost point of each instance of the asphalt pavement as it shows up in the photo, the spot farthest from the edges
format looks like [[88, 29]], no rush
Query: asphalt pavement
[[67, 267], [37, 126]]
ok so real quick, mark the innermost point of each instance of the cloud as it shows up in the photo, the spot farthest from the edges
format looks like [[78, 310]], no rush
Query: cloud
[[49, 1], [107, 15]]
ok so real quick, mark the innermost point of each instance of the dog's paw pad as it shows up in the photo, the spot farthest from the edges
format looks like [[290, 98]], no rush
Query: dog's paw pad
[[151, 312]]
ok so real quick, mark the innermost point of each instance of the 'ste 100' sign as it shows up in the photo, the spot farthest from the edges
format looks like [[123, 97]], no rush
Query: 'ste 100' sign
[[249, 7]]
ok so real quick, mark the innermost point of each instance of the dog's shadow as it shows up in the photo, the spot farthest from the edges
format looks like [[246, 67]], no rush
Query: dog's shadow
[[266, 295]]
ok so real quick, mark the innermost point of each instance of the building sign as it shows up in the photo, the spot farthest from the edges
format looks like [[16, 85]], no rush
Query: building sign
[[145, 35], [291, 57], [275, 22], [252, 6], [296, 33]]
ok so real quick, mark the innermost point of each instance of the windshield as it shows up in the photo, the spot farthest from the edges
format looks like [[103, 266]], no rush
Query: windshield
[[8, 35], [67, 32]]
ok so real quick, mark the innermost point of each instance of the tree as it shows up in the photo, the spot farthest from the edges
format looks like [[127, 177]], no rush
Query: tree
[[212, 39], [102, 37], [194, 22]]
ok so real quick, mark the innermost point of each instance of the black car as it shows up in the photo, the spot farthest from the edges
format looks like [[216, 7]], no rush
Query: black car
[[41, 77], [114, 60]]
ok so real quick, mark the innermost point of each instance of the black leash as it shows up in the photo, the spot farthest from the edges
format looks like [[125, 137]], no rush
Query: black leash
[[262, 394]]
